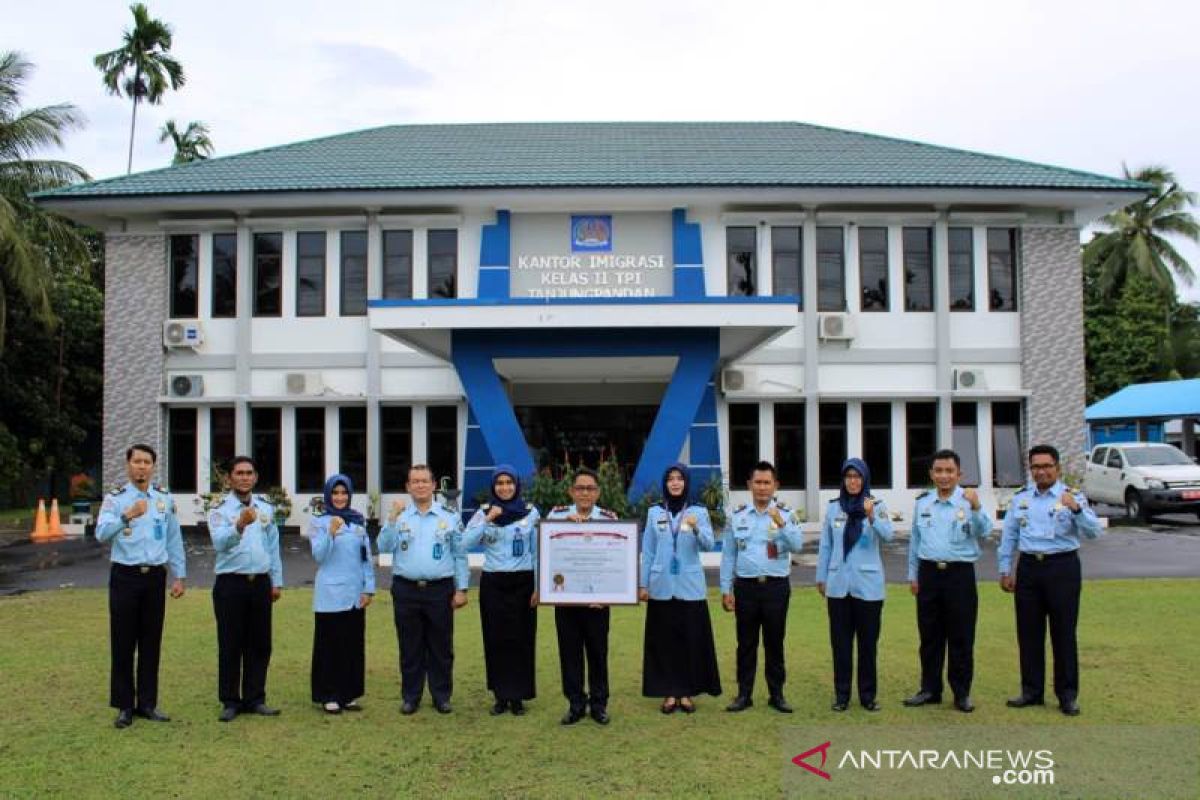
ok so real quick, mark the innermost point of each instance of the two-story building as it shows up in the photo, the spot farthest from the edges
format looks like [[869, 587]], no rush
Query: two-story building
[[464, 295]]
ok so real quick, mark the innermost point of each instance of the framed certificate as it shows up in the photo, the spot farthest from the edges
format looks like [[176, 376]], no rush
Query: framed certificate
[[584, 563]]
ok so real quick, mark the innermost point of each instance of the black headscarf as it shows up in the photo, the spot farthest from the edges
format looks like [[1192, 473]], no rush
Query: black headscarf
[[676, 504], [510, 510], [853, 504], [348, 514]]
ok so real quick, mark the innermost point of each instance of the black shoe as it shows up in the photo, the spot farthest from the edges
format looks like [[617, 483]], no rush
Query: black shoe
[[780, 704], [740, 703], [124, 718], [923, 698], [442, 706], [518, 708], [964, 704], [871, 705], [669, 707], [600, 714], [152, 714], [408, 707], [498, 708], [1024, 700], [689, 707], [572, 716], [228, 713], [263, 710], [1069, 707], [840, 705]]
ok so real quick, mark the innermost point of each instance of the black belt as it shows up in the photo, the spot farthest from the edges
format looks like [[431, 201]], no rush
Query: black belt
[[138, 569], [762, 579], [251, 577], [1049, 556], [943, 565], [423, 584]]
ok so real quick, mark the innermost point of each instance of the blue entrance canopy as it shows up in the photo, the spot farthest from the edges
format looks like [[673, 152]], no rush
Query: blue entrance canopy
[[1149, 401]]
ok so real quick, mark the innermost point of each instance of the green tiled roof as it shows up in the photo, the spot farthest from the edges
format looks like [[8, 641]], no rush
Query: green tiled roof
[[534, 155]]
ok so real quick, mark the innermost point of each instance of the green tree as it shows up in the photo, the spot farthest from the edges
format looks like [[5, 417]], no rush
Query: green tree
[[1185, 340], [30, 238], [191, 144], [1137, 239], [145, 52], [1126, 336]]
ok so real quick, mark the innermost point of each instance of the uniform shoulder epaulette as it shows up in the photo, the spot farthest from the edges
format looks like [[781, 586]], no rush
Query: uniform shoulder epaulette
[[782, 506], [741, 508], [556, 509], [158, 488], [604, 512], [923, 494], [117, 490]]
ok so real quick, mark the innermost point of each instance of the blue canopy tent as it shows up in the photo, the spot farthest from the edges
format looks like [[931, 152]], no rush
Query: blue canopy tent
[[1138, 413]]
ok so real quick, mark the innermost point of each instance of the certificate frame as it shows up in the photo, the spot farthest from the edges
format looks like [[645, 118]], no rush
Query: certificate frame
[[588, 563]]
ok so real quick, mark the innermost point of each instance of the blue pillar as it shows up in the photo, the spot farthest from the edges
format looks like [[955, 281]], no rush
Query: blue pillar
[[688, 255], [494, 248]]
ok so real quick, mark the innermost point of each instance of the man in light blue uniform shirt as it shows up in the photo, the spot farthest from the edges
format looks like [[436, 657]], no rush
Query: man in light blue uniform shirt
[[756, 565], [429, 583], [249, 579], [948, 525], [1044, 522], [140, 520]]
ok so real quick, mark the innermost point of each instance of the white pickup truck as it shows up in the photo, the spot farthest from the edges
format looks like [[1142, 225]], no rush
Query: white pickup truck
[[1145, 477]]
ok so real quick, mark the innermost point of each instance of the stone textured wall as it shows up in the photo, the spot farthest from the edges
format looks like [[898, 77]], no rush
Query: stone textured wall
[[1052, 352], [135, 305]]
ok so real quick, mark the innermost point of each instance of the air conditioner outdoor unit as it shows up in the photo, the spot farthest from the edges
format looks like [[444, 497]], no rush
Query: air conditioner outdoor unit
[[304, 383], [187, 386], [835, 327], [969, 380], [182, 333], [732, 380]]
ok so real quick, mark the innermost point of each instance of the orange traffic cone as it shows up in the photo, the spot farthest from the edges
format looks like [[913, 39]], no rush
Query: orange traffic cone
[[56, 531], [41, 523]]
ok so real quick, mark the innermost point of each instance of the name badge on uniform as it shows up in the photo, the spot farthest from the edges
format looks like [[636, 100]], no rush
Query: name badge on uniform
[[161, 506], [437, 551], [158, 531], [518, 547], [772, 550], [264, 518], [674, 565]]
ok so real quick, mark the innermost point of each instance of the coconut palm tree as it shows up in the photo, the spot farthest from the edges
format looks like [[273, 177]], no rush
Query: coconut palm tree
[[1137, 239], [192, 144], [30, 236], [145, 52]]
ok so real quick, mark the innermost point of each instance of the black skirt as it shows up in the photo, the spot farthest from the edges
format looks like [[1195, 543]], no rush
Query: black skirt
[[509, 633], [338, 666], [679, 658]]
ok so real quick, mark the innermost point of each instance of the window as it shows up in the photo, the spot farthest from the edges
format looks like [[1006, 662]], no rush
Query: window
[[832, 443], [789, 444], [352, 433], [918, 269], [831, 270], [265, 440], [397, 265], [441, 423], [185, 276], [1002, 269], [443, 263], [877, 442], [221, 442], [743, 442], [268, 276], [395, 446], [873, 268], [1114, 458], [181, 450], [962, 270], [1099, 456], [787, 276], [310, 449], [965, 432], [310, 274], [1008, 464], [354, 274], [741, 260], [224, 275], [920, 433]]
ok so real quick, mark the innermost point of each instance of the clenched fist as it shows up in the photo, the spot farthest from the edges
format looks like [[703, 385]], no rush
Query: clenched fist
[[972, 497], [494, 512], [397, 509], [869, 507], [1068, 500], [245, 518], [335, 526], [136, 510]]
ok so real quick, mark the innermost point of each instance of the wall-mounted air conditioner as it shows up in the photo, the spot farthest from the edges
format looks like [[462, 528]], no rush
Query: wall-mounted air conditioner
[[304, 383], [186, 386], [835, 327], [969, 380], [733, 380], [182, 333]]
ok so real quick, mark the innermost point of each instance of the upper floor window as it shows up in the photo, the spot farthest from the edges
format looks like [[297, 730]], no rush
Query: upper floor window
[[310, 274], [831, 270], [268, 275], [787, 277], [873, 268], [962, 269], [185, 275], [443, 263], [918, 269], [224, 275], [741, 258], [1002, 269], [354, 273], [397, 265]]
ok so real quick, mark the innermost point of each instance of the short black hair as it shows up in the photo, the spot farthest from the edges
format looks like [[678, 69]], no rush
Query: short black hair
[[763, 466], [945, 453], [145, 448], [419, 468], [233, 462], [1044, 450], [586, 472]]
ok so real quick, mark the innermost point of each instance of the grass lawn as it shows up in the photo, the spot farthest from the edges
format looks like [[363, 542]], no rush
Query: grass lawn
[[1139, 651]]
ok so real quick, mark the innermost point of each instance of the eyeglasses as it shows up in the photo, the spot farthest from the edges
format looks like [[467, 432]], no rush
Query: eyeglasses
[[585, 488], [1038, 466]]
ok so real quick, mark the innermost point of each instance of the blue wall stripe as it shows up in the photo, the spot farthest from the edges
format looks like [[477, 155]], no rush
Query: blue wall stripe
[[688, 255], [494, 257]]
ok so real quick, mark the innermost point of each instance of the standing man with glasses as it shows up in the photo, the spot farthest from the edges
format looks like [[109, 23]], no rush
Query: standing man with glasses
[[1045, 522]]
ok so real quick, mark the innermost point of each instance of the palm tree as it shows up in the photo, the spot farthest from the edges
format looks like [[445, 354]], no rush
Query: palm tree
[[1138, 240], [145, 51], [193, 144], [30, 236]]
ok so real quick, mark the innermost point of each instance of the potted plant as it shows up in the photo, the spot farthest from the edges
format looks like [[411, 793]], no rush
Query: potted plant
[[373, 498], [82, 491], [282, 501]]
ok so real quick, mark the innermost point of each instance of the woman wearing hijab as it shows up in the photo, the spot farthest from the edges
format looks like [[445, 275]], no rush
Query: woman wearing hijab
[[507, 528], [850, 576], [679, 659], [344, 586]]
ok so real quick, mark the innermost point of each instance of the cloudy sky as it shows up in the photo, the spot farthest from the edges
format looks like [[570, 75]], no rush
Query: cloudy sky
[[1089, 85]]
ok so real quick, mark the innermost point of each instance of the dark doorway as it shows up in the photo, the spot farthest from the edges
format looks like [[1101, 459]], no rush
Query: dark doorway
[[586, 433]]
